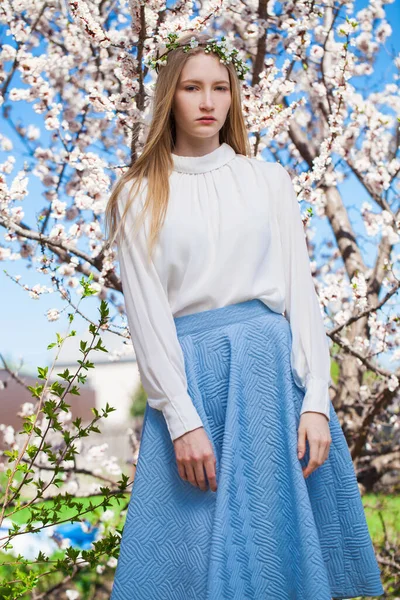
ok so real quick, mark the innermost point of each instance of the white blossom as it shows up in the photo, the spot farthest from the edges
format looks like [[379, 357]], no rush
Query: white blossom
[[53, 314]]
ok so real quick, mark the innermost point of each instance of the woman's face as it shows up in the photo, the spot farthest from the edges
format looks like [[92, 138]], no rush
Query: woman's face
[[203, 89]]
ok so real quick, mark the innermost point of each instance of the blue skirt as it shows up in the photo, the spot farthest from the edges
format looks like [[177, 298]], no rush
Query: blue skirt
[[266, 533]]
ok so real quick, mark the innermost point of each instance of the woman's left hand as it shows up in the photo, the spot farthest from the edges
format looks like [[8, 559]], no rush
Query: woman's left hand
[[313, 426]]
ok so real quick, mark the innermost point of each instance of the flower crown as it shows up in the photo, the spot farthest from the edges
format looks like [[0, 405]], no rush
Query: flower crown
[[226, 53]]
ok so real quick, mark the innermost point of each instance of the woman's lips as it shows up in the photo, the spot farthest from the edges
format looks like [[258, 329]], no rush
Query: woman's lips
[[206, 120]]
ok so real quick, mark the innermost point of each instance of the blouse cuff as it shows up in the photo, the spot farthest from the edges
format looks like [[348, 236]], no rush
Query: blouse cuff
[[181, 416], [317, 397]]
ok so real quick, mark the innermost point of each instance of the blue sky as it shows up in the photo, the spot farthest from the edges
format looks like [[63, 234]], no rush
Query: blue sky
[[25, 330]]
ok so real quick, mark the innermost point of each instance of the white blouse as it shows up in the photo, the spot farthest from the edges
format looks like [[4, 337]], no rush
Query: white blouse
[[233, 232]]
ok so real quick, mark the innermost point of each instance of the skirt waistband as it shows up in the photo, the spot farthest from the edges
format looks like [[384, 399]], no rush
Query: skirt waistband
[[224, 315]]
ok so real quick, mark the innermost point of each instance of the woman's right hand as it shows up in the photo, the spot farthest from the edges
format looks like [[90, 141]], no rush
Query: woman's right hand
[[195, 456]]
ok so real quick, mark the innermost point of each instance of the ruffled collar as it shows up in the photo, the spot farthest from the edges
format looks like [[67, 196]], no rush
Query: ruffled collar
[[207, 162]]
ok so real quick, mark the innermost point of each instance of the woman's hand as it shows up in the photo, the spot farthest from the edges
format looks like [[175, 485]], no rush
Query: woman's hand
[[194, 455], [313, 426]]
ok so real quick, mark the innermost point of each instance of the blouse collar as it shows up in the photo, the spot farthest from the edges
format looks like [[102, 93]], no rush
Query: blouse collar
[[207, 162]]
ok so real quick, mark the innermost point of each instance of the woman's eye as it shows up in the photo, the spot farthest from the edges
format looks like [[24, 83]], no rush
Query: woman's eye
[[220, 87]]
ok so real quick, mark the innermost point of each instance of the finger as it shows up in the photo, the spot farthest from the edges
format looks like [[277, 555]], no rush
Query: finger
[[209, 466], [313, 461], [190, 474], [198, 467], [321, 452], [327, 448], [324, 448], [301, 442], [182, 471]]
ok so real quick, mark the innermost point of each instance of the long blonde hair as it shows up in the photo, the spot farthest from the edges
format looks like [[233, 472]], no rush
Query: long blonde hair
[[155, 162]]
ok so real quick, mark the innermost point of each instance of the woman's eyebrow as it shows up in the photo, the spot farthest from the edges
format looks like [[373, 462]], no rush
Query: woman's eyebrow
[[198, 81]]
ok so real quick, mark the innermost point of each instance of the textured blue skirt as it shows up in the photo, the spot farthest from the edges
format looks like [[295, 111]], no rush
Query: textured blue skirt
[[266, 533]]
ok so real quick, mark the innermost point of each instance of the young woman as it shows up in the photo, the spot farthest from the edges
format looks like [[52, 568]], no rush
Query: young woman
[[245, 487]]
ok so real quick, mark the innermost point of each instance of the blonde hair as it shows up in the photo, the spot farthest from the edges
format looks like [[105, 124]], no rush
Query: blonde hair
[[155, 162]]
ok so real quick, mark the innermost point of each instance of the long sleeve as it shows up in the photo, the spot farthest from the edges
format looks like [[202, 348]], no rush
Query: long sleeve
[[310, 356], [158, 352]]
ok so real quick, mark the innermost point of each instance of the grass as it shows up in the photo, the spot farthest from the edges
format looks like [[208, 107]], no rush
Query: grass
[[67, 512], [389, 506]]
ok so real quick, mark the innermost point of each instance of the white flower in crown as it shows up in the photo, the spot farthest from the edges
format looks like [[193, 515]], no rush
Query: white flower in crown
[[229, 47]]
